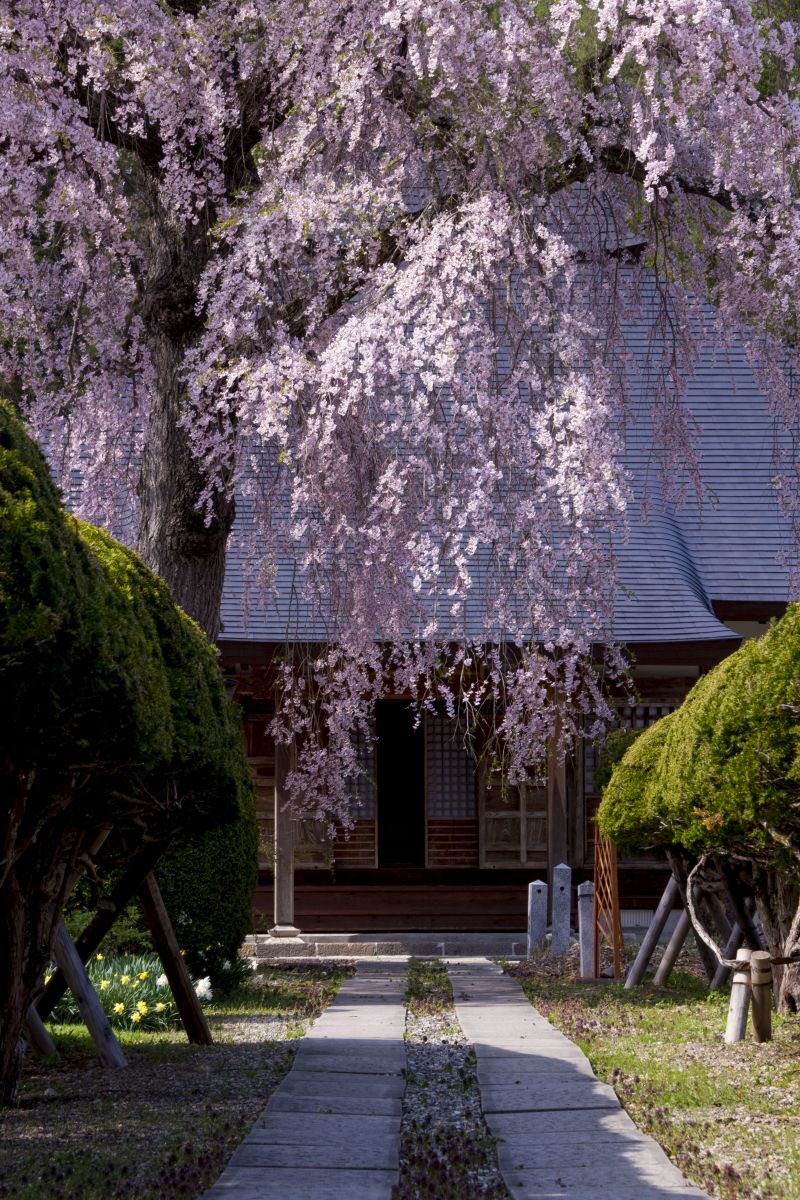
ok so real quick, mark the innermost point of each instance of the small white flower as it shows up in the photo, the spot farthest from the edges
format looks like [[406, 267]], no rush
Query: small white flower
[[161, 981], [203, 988]]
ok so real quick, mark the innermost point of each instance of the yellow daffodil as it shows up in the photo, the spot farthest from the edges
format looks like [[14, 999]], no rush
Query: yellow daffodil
[[160, 1006], [47, 979], [104, 983], [143, 974], [142, 1007], [124, 978], [183, 953], [135, 983], [119, 1008], [136, 1018], [99, 957]]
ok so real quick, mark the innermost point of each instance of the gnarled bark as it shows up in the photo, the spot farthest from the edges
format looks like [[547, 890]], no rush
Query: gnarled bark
[[184, 544]]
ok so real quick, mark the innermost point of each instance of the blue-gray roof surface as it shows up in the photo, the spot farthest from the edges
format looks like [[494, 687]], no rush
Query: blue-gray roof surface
[[726, 545]]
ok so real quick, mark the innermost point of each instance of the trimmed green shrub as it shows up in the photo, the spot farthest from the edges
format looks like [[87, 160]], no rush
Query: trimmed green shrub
[[724, 770], [115, 721], [632, 811]]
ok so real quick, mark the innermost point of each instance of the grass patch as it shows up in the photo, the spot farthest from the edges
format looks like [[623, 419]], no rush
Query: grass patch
[[164, 1127], [428, 988], [729, 1116]]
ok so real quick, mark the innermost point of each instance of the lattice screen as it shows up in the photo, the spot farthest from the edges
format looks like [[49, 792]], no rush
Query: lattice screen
[[363, 789], [451, 780], [638, 716]]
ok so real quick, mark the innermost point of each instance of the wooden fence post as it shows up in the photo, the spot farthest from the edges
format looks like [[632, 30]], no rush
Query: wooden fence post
[[160, 926], [740, 999], [761, 987]]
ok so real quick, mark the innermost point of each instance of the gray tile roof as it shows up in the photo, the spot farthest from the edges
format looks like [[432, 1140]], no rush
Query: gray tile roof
[[678, 558]]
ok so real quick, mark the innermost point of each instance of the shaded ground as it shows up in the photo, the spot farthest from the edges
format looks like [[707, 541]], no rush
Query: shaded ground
[[729, 1116], [165, 1126]]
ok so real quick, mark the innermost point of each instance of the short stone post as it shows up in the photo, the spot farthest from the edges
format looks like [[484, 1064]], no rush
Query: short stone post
[[740, 999], [586, 928], [562, 901], [761, 989], [537, 914]]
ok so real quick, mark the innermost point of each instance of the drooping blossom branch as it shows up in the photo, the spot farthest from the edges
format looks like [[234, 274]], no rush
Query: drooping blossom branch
[[372, 265]]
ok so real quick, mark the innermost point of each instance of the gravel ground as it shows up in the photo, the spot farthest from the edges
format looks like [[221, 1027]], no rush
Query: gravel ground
[[446, 1151]]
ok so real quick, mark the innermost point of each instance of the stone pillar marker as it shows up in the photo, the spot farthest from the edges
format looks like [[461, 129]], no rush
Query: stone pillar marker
[[562, 901], [284, 850], [537, 914], [586, 928]]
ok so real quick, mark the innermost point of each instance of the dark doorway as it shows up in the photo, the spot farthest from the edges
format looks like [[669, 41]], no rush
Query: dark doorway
[[401, 786]]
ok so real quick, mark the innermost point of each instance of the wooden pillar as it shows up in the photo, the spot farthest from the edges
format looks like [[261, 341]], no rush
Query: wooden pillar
[[761, 994], [740, 999], [557, 811], [284, 849]]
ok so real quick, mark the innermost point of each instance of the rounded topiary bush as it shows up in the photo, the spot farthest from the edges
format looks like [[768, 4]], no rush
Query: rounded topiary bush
[[632, 811], [117, 731], [721, 778]]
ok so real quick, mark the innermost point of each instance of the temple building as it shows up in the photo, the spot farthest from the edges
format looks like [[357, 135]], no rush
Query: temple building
[[437, 843]]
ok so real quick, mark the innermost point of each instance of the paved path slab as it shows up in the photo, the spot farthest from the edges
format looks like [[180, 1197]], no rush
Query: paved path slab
[[331, 1129], [560, 1132]]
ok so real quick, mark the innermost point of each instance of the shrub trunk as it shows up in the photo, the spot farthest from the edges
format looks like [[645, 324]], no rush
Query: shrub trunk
[[777, 900]]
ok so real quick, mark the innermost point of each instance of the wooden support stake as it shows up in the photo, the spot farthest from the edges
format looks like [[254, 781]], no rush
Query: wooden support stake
[[108, 1048], [37, 1036], [674, 947], [160, 926], [654, 931], [740, 1000], [722, 973], [761, 988], [742, 908], [113, 907]]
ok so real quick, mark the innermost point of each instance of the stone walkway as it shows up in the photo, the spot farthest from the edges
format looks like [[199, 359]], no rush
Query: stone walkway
[[331, 1129], [560, 1131]]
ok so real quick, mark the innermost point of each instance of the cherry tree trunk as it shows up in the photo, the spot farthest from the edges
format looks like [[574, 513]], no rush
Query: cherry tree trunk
[[185, 546]]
